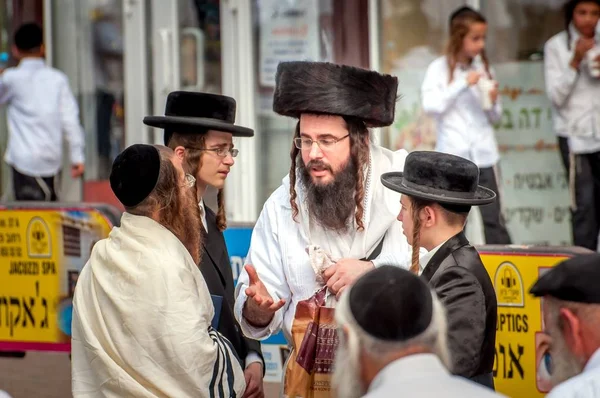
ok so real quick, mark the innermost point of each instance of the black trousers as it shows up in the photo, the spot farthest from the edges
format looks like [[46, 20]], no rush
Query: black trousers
[[563, 147], [585, 217], [34, 188], [104, 109], [494, 226]]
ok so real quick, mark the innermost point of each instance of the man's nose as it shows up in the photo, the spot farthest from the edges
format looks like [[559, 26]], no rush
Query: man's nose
[[315, 151], [229, 160]]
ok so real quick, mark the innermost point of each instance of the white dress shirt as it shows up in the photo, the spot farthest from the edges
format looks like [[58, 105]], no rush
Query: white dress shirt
[[423, 376], [584, 385], [575, 95], [463, 127], [425, 258], [41, 108]]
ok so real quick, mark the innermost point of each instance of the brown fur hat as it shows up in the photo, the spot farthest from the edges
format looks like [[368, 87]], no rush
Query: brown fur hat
[[326, 88]]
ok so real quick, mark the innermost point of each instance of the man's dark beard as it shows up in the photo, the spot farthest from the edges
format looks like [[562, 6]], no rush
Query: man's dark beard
[[331, 205], [182, 218]]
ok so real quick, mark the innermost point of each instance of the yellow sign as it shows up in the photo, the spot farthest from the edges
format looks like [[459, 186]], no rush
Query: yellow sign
[[42, 252], [520, 367]]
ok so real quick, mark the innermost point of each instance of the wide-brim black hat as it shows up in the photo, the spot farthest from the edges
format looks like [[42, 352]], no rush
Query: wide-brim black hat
[[439, 177], [191, 112], [341, 90]]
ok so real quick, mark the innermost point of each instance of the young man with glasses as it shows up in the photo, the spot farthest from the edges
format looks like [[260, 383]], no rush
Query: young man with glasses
[[332, 204], [199, 127]]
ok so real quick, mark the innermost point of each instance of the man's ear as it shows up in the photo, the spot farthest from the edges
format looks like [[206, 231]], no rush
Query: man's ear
[[15, 52], [179, 151], [570, 327], [428, 216]]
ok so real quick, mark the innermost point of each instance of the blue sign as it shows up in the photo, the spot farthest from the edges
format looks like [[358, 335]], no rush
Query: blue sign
[[237, 240]]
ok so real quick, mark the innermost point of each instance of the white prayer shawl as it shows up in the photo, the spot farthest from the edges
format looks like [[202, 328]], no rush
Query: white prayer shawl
[[141, 321], [278, 245]]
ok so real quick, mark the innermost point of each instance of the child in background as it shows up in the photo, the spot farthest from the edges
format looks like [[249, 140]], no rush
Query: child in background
[[460, 93], [572, 85]]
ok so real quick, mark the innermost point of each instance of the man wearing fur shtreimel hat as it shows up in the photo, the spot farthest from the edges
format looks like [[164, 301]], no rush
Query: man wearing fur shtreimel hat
[[332, 207]]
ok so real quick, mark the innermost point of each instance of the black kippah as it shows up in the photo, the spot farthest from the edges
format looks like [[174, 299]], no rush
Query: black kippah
[[576, 279], [135, 173], [390, 303]]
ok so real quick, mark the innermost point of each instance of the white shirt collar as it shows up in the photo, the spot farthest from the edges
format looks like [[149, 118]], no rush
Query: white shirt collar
[[32, 62], [594, 361], [203, 214], [425, 258], [574, 35]]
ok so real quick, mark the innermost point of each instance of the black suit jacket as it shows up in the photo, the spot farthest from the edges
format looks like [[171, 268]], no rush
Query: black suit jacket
[[216, 269], [464, 287]]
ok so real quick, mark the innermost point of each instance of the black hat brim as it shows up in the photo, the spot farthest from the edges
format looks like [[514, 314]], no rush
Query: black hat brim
[[183, 124], [394, 181]]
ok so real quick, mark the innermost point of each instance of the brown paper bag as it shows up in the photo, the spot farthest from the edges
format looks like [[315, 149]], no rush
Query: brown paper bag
[[309, 368]]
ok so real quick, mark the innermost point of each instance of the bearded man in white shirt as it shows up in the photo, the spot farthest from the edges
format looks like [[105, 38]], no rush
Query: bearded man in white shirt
[[573, 86], [142, 313], [331, 203], [571, 316]]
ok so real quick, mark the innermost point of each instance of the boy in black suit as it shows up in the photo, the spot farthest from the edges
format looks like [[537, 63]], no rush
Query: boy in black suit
[[438, 191]]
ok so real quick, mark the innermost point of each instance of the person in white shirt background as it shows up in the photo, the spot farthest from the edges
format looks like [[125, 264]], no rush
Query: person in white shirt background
[[459, 93], [571, 317], [572, 74], [41, 108]]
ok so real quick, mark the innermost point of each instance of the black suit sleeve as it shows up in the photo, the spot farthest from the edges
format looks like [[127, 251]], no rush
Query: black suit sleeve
[[254, 345], [463, 299]]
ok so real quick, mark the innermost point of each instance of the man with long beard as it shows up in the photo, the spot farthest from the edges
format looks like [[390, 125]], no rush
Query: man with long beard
[[571, 313], [393, 341], [141, 311], [332, 203]]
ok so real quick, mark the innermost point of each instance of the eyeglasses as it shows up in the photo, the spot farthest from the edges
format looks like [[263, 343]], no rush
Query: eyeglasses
[[325, 144], [222, 151], [190, 181]]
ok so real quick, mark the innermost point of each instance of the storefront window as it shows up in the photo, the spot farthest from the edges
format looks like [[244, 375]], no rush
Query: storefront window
[[284, 31], [532, 181], [413, 33], [200, 42]]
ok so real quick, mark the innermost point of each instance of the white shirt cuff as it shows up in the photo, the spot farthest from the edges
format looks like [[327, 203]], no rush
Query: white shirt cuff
[[254, 332], [253, 357]]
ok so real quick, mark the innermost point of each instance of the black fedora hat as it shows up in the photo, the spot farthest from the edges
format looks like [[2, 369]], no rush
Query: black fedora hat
[[439, 177], [190, 112]]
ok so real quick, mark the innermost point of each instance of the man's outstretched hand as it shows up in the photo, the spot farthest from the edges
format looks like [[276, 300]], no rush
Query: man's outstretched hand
[[260, 306]]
